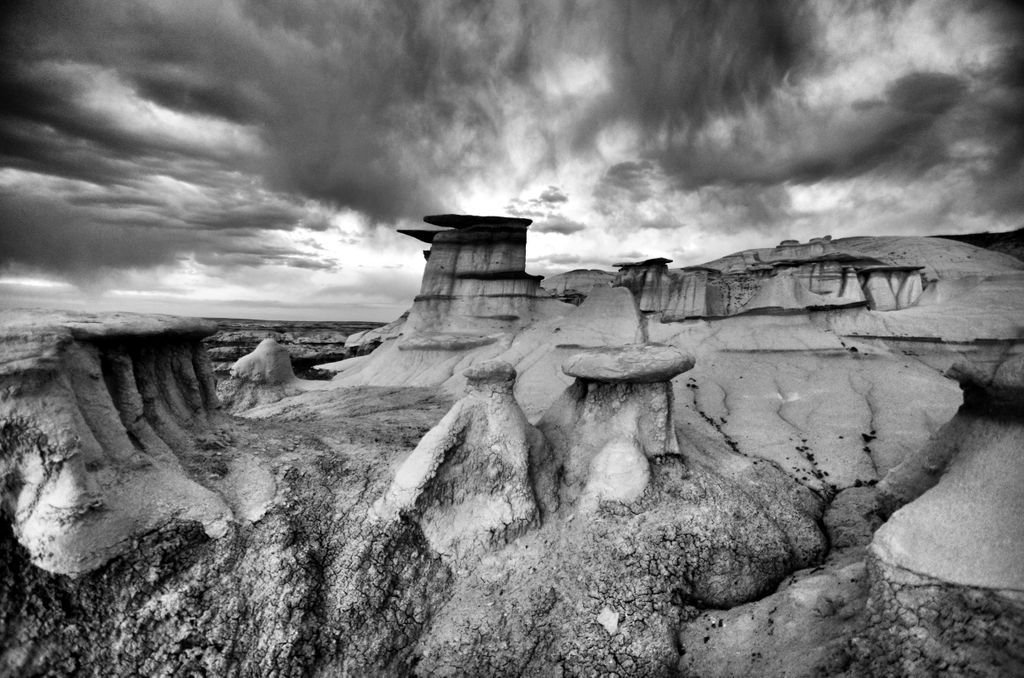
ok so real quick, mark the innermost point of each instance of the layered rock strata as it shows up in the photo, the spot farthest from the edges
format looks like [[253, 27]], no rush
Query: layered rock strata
[[647, 280], [467, 483], [792, 276], [475, 277], [615, 417], [106, 423]]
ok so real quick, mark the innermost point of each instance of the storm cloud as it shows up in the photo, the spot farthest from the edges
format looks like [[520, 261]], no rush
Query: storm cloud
[[226, 135]]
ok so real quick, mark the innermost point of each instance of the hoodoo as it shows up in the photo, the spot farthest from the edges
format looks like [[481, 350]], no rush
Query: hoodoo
[[475, 278], [616, 416]]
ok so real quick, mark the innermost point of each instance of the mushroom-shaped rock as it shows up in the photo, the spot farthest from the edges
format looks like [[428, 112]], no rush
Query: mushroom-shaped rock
[[616, 416], [635, 364], [467, 483]]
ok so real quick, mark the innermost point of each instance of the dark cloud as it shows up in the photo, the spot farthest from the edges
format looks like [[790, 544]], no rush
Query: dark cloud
[[631, 179], [677, 64], [84, 241], [806, 146], [558, 224], [382, 107], [553, 195], [57, 237], [927, 94], [190, 127]]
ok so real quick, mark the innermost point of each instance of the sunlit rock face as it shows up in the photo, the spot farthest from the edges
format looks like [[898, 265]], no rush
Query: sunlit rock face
[[475, 278]]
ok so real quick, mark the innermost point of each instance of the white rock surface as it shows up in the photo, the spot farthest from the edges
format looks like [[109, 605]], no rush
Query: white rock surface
[[609, 619]]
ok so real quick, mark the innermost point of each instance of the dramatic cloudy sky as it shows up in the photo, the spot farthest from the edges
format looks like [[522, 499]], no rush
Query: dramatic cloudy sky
[[253, 158]]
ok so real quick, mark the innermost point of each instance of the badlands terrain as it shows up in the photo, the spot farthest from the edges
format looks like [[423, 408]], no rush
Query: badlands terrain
[[799, 460]]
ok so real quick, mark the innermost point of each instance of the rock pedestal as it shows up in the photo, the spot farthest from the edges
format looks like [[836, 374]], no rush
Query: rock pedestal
[[613, 419], [475, 278], [647, 280]]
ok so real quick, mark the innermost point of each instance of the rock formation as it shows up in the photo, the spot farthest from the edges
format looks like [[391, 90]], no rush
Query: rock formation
[[947, 583], [263, 376], [647, 281], [792, 276], [615, 418], [475, 278], [467, 483], [107, 429]]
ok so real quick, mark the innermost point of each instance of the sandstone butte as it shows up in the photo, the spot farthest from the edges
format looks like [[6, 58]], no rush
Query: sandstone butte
[[803, 460]]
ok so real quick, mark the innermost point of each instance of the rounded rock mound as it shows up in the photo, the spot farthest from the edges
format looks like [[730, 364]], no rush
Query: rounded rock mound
[[268, 364], [634, 363]]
